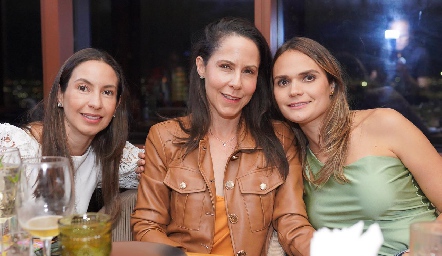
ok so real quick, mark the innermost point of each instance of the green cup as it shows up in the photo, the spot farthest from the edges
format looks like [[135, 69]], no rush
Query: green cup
[[85, 234]]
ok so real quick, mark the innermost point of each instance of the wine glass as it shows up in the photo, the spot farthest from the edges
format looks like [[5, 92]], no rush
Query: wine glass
[[9, 174], [45, 193]]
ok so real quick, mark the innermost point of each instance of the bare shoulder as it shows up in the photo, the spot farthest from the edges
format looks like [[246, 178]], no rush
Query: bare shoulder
[[377, 132], [379, 118]]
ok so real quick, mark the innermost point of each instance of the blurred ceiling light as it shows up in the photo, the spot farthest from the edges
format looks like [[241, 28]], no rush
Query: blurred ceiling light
[[391, 34]]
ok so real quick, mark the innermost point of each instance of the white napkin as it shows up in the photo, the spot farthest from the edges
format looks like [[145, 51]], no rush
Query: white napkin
[[347, 241]]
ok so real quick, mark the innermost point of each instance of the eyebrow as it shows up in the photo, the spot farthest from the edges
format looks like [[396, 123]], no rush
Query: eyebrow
[[308, 72], [228, 61], [82, 80], [88, 82], [280, 77], [300, 74]]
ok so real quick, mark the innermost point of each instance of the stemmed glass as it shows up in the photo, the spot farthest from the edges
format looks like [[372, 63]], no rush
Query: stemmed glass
[[9, 174], [45, 193]]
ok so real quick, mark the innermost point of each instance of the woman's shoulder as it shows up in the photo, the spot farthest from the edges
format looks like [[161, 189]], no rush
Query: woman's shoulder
[[170, 127], [378, 125], [170, 124], [7, 127], [166, 124], [378, 118], [283, 130], [10, 132], [13, 136]]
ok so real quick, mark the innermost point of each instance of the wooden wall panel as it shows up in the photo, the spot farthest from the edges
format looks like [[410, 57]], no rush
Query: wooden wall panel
[[57, 38], [266, 21]]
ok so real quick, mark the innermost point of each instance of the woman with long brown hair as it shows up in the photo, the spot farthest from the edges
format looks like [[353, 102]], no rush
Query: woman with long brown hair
[[84, 119], [221, 179], [372, 165]]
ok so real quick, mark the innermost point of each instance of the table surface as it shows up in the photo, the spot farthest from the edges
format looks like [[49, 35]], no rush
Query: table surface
[[136, 248], [200, 254]]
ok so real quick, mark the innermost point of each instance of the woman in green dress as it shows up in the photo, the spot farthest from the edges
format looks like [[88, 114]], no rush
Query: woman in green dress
[[372, 165]]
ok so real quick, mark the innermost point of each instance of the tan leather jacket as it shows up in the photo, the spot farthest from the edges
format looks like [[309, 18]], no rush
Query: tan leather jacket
[[176, 197]]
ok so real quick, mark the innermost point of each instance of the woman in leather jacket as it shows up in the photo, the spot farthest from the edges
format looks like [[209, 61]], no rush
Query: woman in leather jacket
[[221, 179]]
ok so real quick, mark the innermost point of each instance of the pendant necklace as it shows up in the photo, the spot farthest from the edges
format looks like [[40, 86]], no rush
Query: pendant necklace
[[224, 143]]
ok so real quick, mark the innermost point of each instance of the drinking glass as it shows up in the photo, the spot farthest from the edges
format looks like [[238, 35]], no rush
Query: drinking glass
[[85, 234], [45, 193], [18, 243], [426, 238], [9, 174]]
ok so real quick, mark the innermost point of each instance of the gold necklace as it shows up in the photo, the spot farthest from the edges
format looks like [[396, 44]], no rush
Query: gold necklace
[[224, 143]]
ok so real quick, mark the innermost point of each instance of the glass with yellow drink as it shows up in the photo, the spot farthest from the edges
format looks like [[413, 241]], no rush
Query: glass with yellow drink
[[45, 193], [85, 234]]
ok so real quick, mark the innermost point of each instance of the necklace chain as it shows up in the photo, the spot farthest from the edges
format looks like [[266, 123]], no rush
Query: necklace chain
[[224, 143]]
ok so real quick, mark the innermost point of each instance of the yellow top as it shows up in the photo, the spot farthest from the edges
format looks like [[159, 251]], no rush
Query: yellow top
[[222, 241], [222, 245]]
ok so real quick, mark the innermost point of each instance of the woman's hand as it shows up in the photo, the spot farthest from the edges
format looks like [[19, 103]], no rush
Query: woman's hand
[[406, 253], [140, 163]]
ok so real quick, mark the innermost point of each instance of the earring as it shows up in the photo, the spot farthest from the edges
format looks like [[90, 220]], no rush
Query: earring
[[59, 104], [113, 115], [333, 89], [201, 77]]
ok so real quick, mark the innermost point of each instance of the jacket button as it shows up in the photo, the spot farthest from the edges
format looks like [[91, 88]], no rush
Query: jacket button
[[241, 253], [229, 184], [233, 218], [234, 157], [183, 185], [263, 186]]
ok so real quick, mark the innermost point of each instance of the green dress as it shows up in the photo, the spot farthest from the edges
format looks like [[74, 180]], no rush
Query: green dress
[[380, 189]]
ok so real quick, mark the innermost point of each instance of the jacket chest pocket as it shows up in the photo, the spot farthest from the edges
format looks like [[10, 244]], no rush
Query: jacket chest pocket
[[187, 197], [258, 189]]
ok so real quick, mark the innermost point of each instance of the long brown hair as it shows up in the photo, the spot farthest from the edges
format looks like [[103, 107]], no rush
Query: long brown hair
[[107, 145], [256, 113], [335, 130]]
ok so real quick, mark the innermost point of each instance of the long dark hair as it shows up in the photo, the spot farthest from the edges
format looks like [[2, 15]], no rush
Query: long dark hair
[[256, 113], [108, 144], [335, 129]]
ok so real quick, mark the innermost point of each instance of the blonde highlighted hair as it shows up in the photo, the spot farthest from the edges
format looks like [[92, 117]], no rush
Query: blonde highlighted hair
[[335, 130]]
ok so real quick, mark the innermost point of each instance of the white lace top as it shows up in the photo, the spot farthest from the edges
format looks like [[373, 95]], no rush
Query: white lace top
[[87, 173]]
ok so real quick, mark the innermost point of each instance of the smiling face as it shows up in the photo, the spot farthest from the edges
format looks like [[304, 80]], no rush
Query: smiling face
[[90, 99], [230, 76], [301, 88]]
